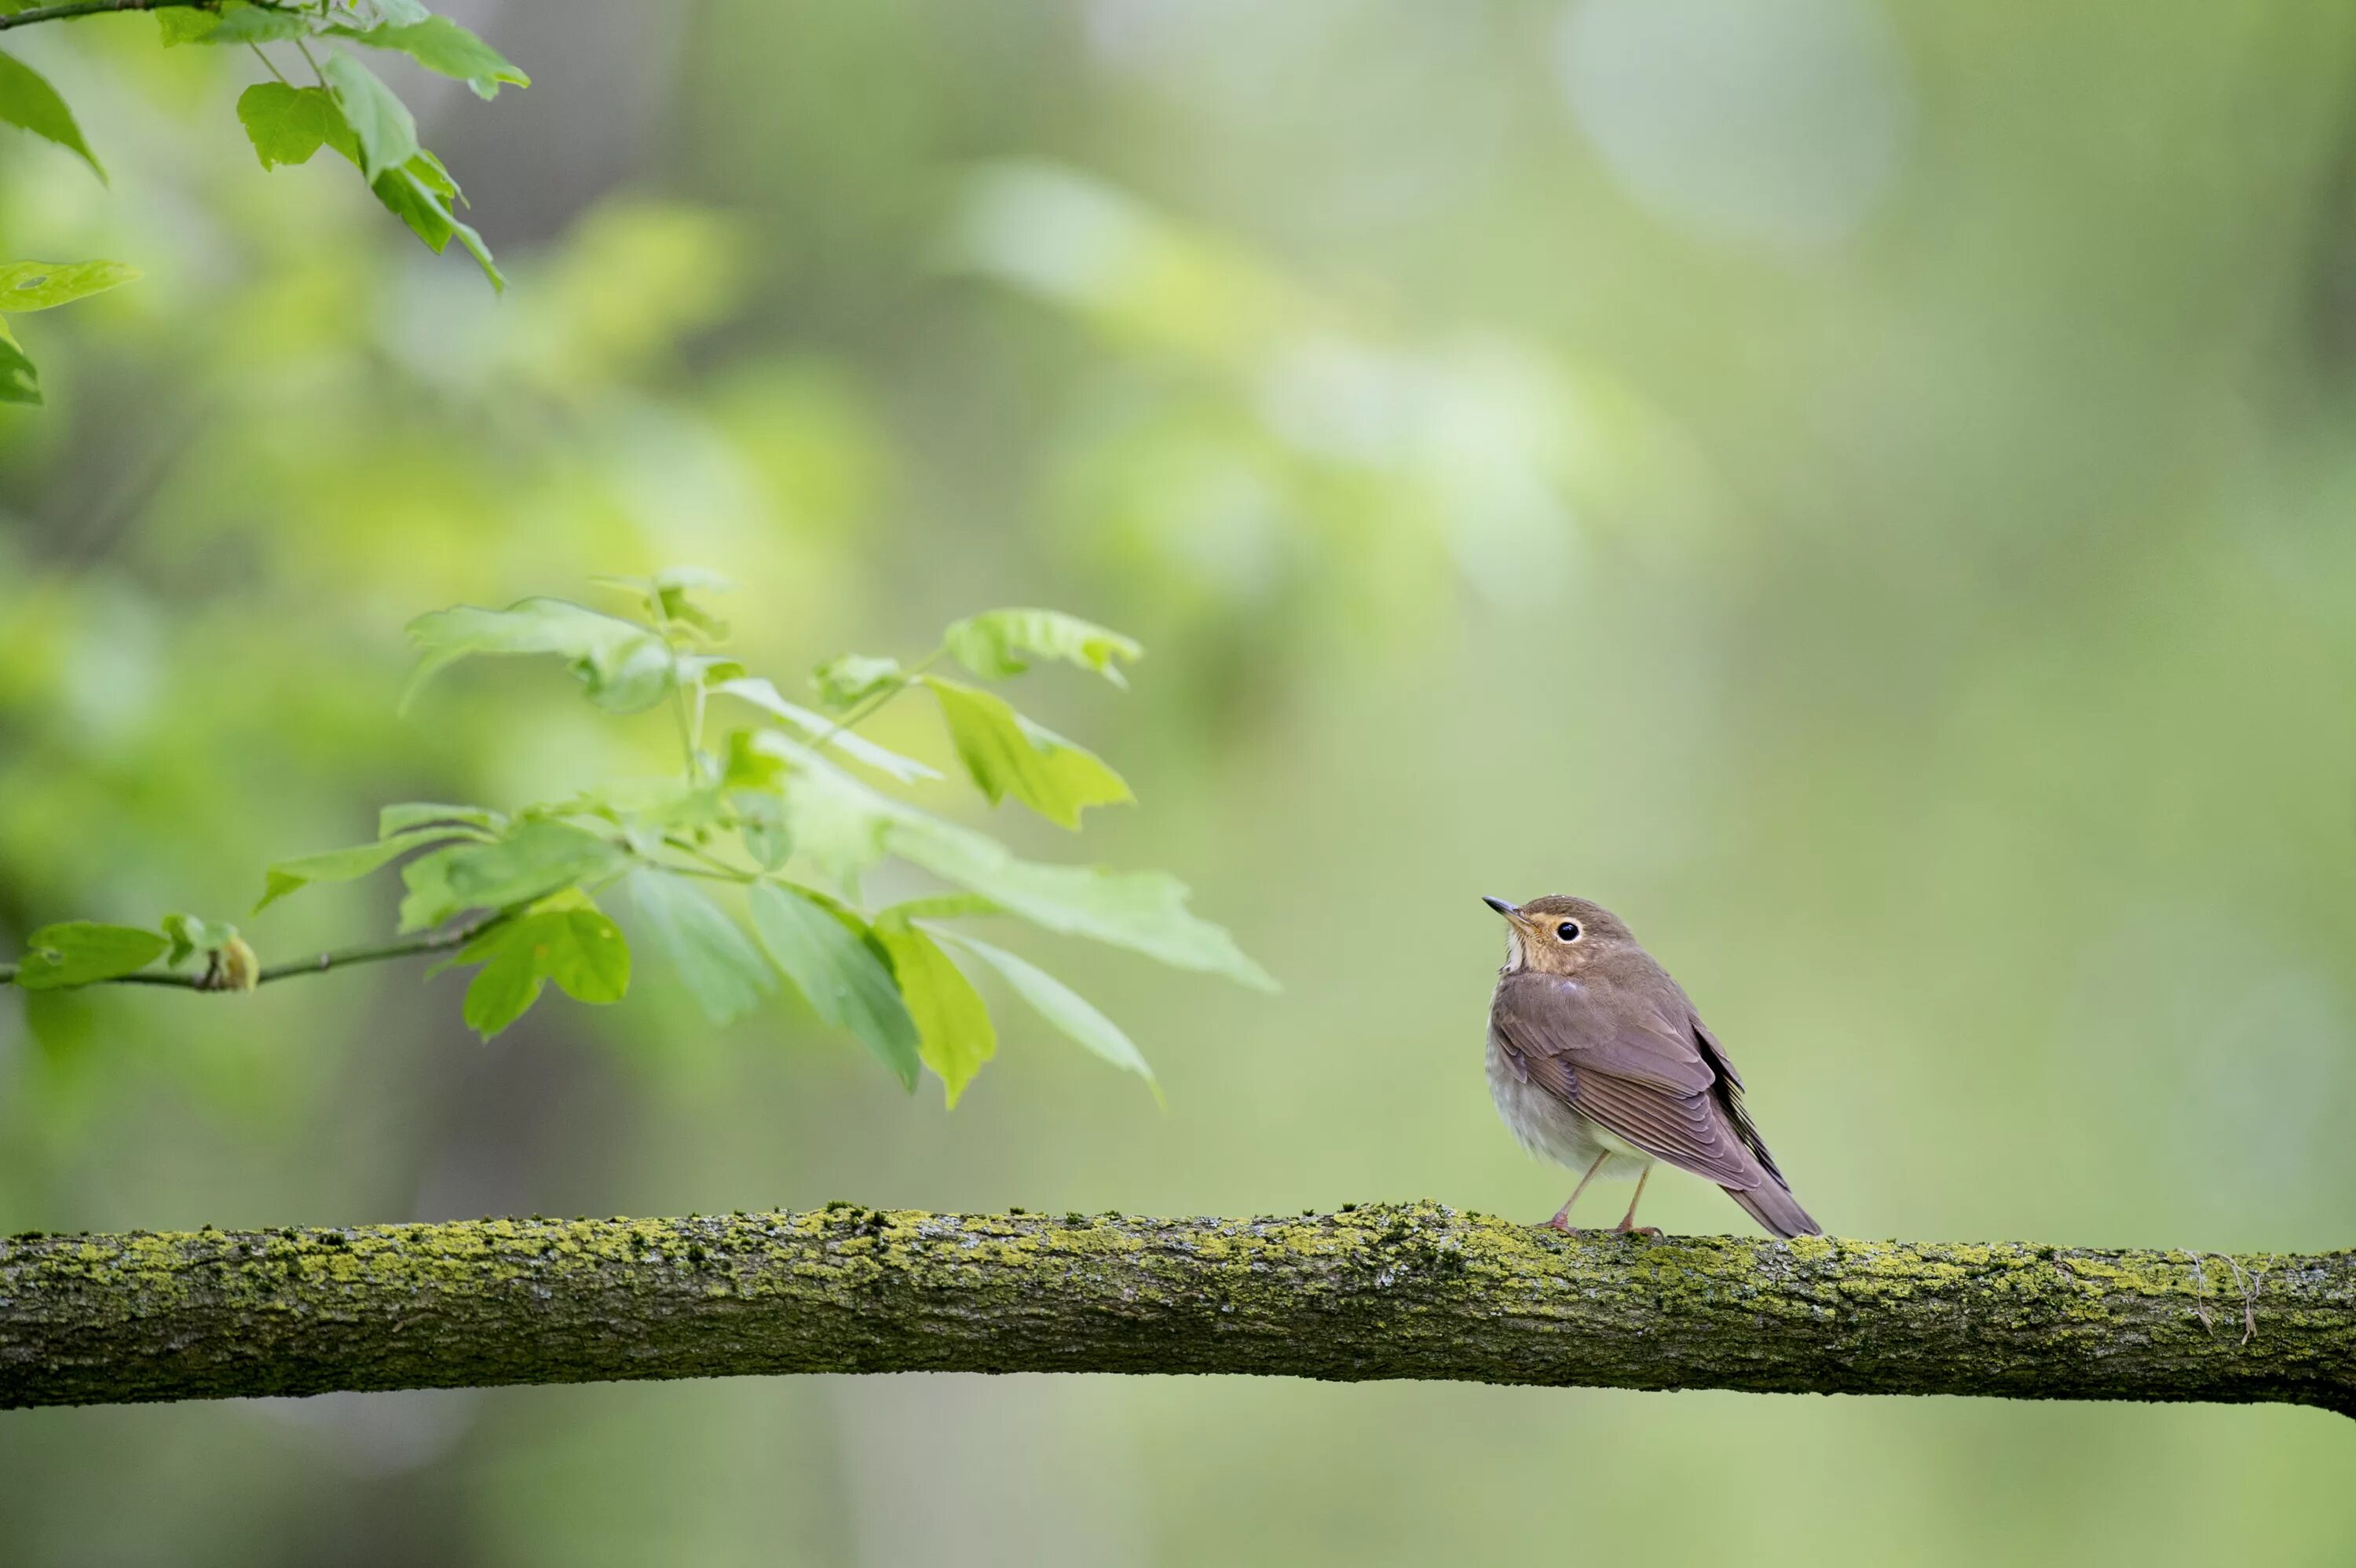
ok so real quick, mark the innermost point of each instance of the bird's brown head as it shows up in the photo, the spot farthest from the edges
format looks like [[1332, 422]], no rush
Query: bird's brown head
[[1558, 934]]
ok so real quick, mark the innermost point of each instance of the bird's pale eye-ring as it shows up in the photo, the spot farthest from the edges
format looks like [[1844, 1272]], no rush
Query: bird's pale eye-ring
[[1566, 932]]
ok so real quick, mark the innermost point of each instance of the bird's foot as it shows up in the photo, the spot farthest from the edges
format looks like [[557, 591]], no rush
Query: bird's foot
[[1625, 1229], [1562, 1224]]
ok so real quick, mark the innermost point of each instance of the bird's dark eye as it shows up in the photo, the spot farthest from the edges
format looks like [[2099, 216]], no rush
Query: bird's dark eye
[[1568, 931]]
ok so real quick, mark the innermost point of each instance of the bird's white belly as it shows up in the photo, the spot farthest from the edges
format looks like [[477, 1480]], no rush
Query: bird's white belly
[[1552, 1130]]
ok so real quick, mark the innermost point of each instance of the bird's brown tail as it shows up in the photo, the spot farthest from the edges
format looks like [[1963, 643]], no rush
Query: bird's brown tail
[[1772, 1205]]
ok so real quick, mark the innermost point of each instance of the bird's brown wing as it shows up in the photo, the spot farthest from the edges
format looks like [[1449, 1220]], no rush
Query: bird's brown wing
[[1729, 1094], [1616, 1057]]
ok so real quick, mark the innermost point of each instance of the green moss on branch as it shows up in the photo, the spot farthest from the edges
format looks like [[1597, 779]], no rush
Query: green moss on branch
[[1410, 1291]]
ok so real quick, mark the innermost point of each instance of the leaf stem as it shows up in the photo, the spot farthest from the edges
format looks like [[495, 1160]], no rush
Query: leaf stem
[[687, 726], [867, 709]]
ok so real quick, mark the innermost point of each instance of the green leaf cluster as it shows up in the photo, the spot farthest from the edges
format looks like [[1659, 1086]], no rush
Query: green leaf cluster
[[744, 870], [346, 107]]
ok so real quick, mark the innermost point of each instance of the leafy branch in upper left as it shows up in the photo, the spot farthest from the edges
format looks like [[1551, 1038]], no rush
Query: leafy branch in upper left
[[338, 103]]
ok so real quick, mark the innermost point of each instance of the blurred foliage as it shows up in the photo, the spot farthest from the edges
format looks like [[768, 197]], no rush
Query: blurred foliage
[[1867, 503], [348, 107]]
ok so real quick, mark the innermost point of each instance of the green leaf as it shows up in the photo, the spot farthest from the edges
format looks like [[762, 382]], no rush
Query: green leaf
[[826, 955], [345, 865], [761, 694], [188, 934], [853, 678], [761, 825], [723, 970], [20, 382], [502, 990], [1144, 912], [412, 814], [570, 944], [442, 45], [185, 25], [952, 1021], [1060, 1005], [418, 194], [40, 285], [27, 99], [846, 826], [380, 122], [940, 906], [80, 951], [255, 25], [624, 666], [1002, 643], [537, 858], [667, 597], [286, 124], [1008, 754]]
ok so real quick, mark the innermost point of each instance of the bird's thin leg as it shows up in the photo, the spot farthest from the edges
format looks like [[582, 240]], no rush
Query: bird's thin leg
[[1561, 1221], [1628, 1220]]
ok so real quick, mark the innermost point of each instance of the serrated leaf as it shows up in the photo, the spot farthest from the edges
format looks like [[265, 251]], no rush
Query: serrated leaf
[[846, 981], [442, 45], [83, 951], [287, 124], [380, 121], [409, 814], [953, 1028], [534, 860], [763, 694], [1003, 642], [345, 865], [27, 100], [188, 934], [854, 678], [41, 285], [20, 381], [1060, 1005], [624, 666], [1008, 754], [723, 970]]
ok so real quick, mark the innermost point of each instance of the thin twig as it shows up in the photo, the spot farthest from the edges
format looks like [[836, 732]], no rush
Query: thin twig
[[95, 8], [318, 964]]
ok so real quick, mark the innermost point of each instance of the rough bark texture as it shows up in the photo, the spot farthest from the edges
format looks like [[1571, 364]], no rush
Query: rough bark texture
[[1411, 1291]]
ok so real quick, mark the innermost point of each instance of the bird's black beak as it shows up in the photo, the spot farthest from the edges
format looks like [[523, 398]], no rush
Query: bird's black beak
[[1502, 907]]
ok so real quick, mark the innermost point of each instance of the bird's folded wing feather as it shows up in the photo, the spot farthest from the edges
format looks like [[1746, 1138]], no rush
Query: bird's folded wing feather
[[1640, 1076]]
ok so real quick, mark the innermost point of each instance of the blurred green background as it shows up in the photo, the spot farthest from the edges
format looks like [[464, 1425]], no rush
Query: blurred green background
[[1862, 492]]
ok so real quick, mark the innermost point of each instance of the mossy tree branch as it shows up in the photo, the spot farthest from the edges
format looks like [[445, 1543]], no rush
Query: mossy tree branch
[[1414, 1291]]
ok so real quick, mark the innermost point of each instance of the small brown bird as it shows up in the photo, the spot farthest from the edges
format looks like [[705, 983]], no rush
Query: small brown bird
[[1597, 1058]]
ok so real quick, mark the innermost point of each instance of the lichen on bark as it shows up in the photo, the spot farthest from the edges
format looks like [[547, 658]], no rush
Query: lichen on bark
[[1407, 1291]]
